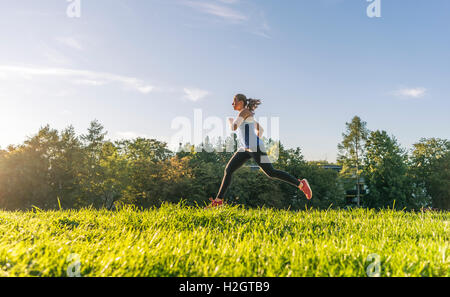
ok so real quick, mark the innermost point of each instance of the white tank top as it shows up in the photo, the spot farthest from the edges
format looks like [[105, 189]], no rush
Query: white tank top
[[247, 136]]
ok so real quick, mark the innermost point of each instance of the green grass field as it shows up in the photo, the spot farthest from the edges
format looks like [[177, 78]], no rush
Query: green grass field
[[180, 241]]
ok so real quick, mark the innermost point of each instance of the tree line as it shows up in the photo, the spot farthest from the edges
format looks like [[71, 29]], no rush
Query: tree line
[[393, 175], [59, 169]]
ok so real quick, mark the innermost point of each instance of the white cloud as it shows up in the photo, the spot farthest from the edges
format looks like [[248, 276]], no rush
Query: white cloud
[[262, 27], [410, 92], [194, 94], [253, 20], [70, 42], [86, 77], [89, 82], [222, 11], [145, 89]]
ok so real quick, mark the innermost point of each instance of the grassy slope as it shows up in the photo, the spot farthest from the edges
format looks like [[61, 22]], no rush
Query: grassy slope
[[180, 241]]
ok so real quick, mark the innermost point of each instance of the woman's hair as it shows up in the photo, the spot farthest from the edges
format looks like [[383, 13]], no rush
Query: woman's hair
[[250, 103]]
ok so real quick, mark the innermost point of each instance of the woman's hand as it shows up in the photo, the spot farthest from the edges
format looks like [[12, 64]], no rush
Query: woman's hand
[[231, 123]]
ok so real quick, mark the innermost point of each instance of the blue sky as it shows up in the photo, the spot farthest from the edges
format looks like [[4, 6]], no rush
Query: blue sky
[[136, 65]]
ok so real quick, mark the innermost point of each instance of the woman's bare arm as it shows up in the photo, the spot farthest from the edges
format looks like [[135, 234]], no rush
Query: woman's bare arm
[[243, 115], [259, 130]]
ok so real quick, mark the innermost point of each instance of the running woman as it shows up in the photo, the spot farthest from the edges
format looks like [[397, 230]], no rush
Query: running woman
[[251, 146]]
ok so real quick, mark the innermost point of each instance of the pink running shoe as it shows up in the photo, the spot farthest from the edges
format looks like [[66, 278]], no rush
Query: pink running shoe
[[305, 188], [214, 203]]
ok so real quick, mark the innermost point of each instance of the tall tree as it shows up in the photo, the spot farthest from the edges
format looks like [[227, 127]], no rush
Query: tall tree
[[440, 183], [352, 149], [66, 167], [430, 169], [93, 172], [385, 172], [95, 138]]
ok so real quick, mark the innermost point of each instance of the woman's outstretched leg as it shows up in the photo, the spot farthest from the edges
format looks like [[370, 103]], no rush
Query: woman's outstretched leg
[[238, 159], [271, 172]]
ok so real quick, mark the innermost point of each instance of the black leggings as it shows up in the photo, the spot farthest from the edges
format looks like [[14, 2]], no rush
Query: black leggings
[[261, 158]]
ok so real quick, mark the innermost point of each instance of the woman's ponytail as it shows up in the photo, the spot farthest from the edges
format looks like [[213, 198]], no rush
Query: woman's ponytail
[[253, 104]]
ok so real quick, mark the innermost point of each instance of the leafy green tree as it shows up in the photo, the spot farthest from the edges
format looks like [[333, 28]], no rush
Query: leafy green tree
[[351, 151], [177, 182], [113, 176], [92, 176], [439, 182], [385, 172], [144, 159], [145, 149], [66, 168], [26, 172], [429, 170]]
